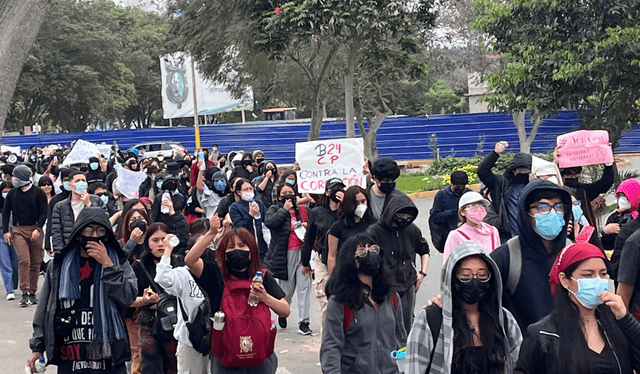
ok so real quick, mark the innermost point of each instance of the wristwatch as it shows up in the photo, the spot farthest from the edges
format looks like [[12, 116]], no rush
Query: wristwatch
[[422, 273]]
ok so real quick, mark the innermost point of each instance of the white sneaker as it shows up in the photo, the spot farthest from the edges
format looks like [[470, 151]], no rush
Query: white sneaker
[[11, 296]]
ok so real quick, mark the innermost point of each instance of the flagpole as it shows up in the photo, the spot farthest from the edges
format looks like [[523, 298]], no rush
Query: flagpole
[[196, 119]]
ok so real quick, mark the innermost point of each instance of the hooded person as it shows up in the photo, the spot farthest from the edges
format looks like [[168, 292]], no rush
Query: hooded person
[[95, 174], [89, 278], [65, 192], [400, 240], [505, 188], [544, 209], [628, 199], [245, 169], [442, 340], [265, 182], [587, 192]]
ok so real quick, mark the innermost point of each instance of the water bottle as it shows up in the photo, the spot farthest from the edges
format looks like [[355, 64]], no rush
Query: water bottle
[[174, 241], [165, 209], [256, 279], [203, 167], [257, 215], [40, 366]]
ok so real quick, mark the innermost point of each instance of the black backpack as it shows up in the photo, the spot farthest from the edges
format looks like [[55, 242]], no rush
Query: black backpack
[[200, 328], [166, 312]]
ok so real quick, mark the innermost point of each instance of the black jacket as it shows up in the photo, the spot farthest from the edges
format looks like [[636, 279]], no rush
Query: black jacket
[[399, 245], [242, 172], [625, 232], [540, 348], [119, 281], [62, 217], [54, 200], [532, 298], [587, 192], [145, 187], [320, 220], [224, 205], [278, 220], [96, 176]]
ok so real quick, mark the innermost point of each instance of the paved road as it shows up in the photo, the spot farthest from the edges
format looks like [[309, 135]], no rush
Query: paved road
[[296, 353]]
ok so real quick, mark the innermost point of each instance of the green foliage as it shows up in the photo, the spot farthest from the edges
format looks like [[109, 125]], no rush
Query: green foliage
[[562, 53], [440, 98], [93, 63]]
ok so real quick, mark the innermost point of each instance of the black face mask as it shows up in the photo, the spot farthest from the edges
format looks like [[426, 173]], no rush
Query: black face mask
[[370, 264], [333, 193], [401, 221], [169, 185], [521, 178], [246, 162], [237, 260], [259, 160], [273, 172], [387, 187], [84, 240], [54, 170], [458, 191], [187, 163], [470, 292], [284, 198], [571, 182], [142, 225]]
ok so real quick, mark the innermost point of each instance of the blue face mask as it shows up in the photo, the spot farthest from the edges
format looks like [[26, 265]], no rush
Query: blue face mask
[[577, 212], [220, 185], [290, 182], [4, 195], [548, 226], [94, 165], [589, 289], [105, 199], [81, 186], [159, 185], [65, 185]]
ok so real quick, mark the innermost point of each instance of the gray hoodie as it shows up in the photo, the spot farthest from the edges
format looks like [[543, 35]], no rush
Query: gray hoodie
[[420, 342]]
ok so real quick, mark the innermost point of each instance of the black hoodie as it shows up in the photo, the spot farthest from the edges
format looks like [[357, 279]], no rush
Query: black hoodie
[[399, 245], [532, 298], [119, 281]]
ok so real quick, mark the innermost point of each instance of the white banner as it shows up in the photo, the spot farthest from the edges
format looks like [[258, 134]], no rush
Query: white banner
[[129, 181], [177, 90], [105, 150], [331, 158], [81, 152]]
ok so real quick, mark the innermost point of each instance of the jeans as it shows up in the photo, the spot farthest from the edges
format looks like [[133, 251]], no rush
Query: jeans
[[5, 265]]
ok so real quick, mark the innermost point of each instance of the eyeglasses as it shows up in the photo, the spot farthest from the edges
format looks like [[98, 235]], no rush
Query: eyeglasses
[[361, 251], [466, 276], [546, 208], [88, 231], [476, 205], [577, 203], [46, 185]]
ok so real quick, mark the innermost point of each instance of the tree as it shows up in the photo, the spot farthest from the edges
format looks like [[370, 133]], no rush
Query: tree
[[559, 53], [353, 24], [20, 21]]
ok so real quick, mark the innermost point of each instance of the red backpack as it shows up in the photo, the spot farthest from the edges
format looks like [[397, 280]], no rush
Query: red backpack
[[248, 336]]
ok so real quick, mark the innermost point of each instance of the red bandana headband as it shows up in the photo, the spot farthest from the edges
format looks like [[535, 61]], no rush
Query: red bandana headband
[[570, 255]]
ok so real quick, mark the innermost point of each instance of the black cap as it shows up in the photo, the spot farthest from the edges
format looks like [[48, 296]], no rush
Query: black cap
[[334, 182], [152, 169]]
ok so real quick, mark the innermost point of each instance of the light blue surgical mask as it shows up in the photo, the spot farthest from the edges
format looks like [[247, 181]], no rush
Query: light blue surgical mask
[[81, 186], [290, 182], [589, 289], [4, 195], [548, 226], [159, 185], [105, 199], [94, 165], [577, 212], [65, 185]]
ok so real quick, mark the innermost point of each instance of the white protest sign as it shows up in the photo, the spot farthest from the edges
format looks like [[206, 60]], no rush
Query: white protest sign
[[584, 147], [81, 152], [104, 149], [129, 181], [331, 158]]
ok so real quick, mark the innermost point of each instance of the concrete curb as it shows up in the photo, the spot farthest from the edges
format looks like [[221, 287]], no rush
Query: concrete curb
[[431, 193]]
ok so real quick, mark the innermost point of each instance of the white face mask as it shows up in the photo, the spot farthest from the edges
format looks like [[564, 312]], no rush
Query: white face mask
[[360, 210], [623, 203], [247, 196]]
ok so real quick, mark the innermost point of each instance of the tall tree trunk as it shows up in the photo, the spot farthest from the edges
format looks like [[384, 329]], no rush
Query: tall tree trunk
[[20, 21], [349, 73], [316, 120], [519, 120]]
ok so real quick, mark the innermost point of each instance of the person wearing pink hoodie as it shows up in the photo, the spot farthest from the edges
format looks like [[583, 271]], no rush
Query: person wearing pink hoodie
[[472, 208], [628, 198]]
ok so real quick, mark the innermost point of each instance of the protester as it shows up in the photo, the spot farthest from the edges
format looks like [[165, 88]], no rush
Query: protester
[[88, 284], [6, 265], [471, 332], [505, 188], [628, 200], [65, 192], [384, 172], [147, 187], [285, 250], [206, 192], [355, 217], [248, 213], [27, 205], [320, 220], [245, 170], [472, 211], [364, 322], [400, 240], [263, 184], [589, 329], [95, 174], [46, 185], [158, 349], [443, 216], [66, 211], [100, 189], [544, 208]]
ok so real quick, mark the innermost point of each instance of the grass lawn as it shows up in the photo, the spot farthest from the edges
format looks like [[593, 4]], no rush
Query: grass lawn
[[410, 183]]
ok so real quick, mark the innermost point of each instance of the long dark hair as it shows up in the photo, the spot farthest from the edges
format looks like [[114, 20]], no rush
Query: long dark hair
[[152, 229], [46, 180], [227, 240], [491, 331], [126, 232], [344, 282], [574, 350], [279, 188], [349, 205]]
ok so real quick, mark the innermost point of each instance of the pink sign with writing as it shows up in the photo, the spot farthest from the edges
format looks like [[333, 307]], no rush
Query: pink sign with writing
[[584, 147]]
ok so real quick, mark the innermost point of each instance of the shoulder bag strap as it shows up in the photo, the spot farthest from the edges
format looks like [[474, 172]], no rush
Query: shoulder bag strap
[[515, 264]]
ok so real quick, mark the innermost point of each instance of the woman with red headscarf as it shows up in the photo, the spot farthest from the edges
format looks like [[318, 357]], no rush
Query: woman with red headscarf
[[628, 198], [589, 329]]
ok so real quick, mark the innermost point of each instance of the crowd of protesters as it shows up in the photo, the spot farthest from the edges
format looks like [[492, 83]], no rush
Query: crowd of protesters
[[185, 276]]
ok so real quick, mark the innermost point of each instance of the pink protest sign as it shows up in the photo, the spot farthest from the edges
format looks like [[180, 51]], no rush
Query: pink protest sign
[[584, 147]]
